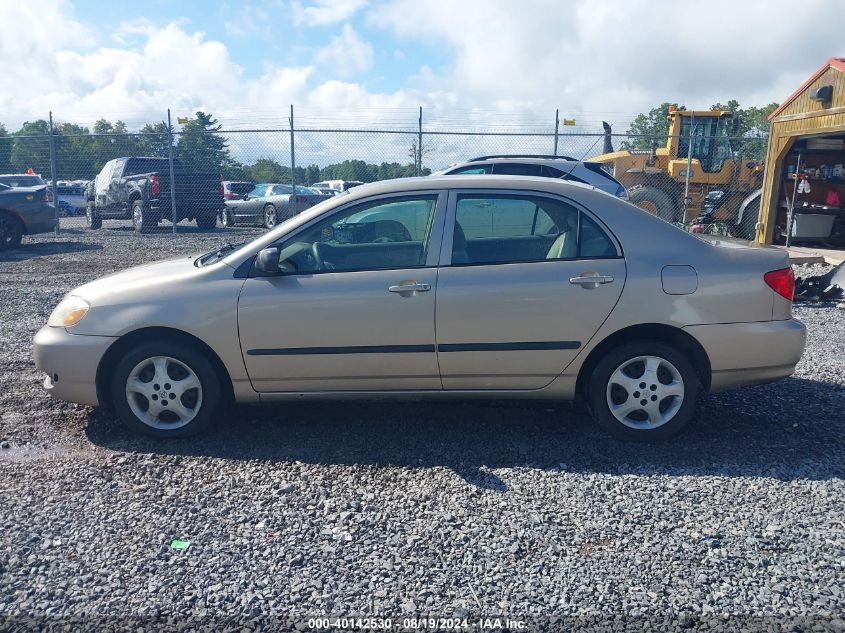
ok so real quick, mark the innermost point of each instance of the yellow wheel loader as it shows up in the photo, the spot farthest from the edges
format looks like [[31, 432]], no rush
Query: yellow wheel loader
[[697, 174]]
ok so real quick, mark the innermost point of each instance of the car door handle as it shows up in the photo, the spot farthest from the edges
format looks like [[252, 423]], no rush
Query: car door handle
[[410, 288], [587, 280]]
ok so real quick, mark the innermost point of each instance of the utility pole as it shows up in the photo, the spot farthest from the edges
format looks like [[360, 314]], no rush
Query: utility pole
[[419, 144], [172, 171], [292, 154], [557, 129], [53, 174]]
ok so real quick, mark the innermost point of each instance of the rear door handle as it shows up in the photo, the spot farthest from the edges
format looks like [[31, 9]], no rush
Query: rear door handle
[[586, 280], [409, 289]]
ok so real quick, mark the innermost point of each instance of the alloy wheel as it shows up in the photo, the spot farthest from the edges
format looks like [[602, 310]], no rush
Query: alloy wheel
[[645, 392], [163, 392]]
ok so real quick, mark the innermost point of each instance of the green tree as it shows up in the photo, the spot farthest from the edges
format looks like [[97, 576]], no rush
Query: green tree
[[31, 148], [751, 134], [75, 152], [112, 140], [648, 127], [200, 147], [5, 149], [153, 140], [312, 174]]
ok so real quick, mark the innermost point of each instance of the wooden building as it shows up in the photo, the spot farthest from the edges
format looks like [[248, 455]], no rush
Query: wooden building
[[809, 126]]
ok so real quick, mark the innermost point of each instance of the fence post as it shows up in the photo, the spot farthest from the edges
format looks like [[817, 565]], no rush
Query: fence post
[[172, 173], [557, 129], [53, 174], [292, 155], [419, 144]]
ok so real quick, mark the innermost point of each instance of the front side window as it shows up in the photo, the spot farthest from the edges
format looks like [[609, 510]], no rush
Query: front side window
[[501, 229], [258, 191], [377, 235], [280, 190]]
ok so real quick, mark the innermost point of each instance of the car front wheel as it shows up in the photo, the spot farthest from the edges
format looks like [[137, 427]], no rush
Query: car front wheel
[[270, 216], [165, 389], [644, 391]]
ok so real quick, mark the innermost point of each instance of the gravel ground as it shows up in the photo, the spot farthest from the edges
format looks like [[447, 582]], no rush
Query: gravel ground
[[464, 509]]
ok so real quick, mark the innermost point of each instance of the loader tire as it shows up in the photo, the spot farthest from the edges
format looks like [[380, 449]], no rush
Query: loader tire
[[655, 201]]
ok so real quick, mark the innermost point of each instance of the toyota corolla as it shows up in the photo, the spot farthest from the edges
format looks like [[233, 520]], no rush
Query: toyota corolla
[[439, 287]]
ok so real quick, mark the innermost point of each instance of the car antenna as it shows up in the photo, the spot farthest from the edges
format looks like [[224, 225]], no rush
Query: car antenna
[[581, 160]]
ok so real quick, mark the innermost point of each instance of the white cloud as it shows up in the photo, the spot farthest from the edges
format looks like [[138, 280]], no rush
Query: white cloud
[[610, 59], [346, 54], [321, 12]]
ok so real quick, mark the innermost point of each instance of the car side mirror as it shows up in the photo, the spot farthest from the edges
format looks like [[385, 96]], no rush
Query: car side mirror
[[246, 197], [267, 260]]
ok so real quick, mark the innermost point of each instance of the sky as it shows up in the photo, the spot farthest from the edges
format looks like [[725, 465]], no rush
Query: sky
[[470, 64]]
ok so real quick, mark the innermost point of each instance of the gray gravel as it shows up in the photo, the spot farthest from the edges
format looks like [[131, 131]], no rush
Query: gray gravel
[[469, 508]]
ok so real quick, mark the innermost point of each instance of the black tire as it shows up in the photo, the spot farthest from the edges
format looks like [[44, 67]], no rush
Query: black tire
[[655, 201], [210, 389], [92, 219], [600, 391], [11, 231], [207, 220], [226, 218], [271, 216], [142, 220]]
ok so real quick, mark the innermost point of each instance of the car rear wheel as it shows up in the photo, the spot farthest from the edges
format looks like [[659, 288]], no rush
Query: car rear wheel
[[644, 391], [207, 220], [165, 389], [270, 216], [141, 218], [11, 231], [92, 218], [226, 218]]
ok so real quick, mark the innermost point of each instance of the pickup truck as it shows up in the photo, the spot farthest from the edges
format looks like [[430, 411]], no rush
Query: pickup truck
[[24, 210], [138, 188]]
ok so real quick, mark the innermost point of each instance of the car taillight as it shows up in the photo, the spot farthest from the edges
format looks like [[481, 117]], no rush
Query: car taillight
[[155, 185], [229, 195], [46, 197], [782, 281], [222, 188]]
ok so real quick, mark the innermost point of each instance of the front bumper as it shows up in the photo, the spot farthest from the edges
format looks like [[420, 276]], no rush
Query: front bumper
[[750, 353], [70, 362]]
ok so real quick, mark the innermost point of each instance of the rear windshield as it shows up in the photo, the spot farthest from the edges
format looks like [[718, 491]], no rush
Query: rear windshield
[[74, 190], [240, 187], [135, 166], [22, 181]]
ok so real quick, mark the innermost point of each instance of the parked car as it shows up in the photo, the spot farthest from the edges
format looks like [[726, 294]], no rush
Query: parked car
[[269, 204], [337, 185], [22, 180], [544, 289], [24, 210], [235, 189], [564, 167], [138, 188], [324, 190], [71, 197]]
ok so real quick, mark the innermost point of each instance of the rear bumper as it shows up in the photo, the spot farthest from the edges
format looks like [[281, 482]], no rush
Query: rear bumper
[[750, 353], [70, 362], [41, 221]]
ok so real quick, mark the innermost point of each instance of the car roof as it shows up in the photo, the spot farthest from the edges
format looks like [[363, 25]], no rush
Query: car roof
[[467, 181], [524, 159]]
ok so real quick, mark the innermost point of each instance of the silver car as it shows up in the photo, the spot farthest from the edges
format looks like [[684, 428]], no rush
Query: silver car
[[473, 287], [268, 204]]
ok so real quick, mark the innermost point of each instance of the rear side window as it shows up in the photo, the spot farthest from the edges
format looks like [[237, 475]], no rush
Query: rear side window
[[135, 166], [516, 169], [593, 241], [470, 169], [504, 229], [240, 187]]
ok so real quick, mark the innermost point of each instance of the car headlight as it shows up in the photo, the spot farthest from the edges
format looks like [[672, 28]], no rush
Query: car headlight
[[70, 311]]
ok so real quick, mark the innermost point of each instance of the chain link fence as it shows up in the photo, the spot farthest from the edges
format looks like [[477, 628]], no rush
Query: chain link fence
[[97, 190]]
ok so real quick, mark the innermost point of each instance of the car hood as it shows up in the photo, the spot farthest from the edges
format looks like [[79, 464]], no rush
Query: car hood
[[133, 281]]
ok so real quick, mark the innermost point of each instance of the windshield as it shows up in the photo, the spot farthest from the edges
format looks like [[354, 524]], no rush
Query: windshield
[[22, 181]]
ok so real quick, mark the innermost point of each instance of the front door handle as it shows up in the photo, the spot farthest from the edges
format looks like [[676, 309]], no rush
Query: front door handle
[[409, 288], [591, 280]]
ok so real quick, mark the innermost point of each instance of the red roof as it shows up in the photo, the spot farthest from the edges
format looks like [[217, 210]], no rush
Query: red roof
[[834, 62]]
